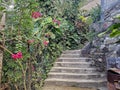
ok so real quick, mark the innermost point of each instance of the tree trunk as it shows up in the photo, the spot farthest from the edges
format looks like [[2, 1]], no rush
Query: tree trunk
[[2, 25], [1, 59]]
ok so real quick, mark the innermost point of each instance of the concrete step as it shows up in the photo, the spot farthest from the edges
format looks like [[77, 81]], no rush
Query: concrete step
[[71, 55], [72, 52], [54, 87], [75, 75], [73, 70], [76, 82], [83, 59], [71, 64]]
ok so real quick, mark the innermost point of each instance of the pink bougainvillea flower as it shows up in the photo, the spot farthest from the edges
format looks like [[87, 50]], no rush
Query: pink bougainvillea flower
[[46, 43], [30, 41], [56, 21], [17, 55], [14, 56], [36, 15]]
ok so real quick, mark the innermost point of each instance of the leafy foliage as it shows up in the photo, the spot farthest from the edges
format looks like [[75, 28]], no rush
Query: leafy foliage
[[114, 29], [41, 30], [95, 13]]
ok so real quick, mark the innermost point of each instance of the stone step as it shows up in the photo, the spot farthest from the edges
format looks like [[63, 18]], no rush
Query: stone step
[[75, 75], [76, 82], [83, 59], [97, 53], [73, 70], [71, 64], [71, 55], [72, 52], [54, 87]]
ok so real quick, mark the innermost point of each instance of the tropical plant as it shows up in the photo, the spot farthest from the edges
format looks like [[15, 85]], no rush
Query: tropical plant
[[113, 30]]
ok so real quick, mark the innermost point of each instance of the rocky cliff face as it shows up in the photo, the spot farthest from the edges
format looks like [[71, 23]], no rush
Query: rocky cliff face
[[104, 48]]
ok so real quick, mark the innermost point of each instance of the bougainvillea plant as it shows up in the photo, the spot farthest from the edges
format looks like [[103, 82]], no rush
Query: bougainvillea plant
[[27, 34]]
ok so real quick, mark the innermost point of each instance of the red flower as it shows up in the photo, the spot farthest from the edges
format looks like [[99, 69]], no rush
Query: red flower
[[36, 15], [14, 56], [56, 21], [30, 41], [46, 43], [17, 55]]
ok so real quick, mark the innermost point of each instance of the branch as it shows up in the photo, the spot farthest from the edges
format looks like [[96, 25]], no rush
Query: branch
[[5, 49]]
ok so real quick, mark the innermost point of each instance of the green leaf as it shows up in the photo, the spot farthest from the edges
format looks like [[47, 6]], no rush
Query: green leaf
[[115, 33], [35, 31], [11, 64], [59, 31], [114, 26], [101, 34], [2, 8], [47, 20]]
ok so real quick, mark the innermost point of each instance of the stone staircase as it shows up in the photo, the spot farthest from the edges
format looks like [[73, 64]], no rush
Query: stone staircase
[[75, 71]]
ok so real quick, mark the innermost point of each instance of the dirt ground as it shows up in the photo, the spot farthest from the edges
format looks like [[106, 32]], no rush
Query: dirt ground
[[90, 5], [64, 88]]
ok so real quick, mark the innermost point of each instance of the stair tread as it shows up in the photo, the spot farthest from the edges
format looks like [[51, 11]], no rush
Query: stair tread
[[62, 73], [74, 68], [77, 80], [74, 58], [74, 62], [72, 50], [70, 54]]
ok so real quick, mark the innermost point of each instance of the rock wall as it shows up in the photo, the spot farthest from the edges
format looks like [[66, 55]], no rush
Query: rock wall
[[102, 49], [108, 45]]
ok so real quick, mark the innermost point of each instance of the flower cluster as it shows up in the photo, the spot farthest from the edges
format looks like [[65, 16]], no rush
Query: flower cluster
[[17, 55], [45, 43], [36, 15], [56, 21]]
